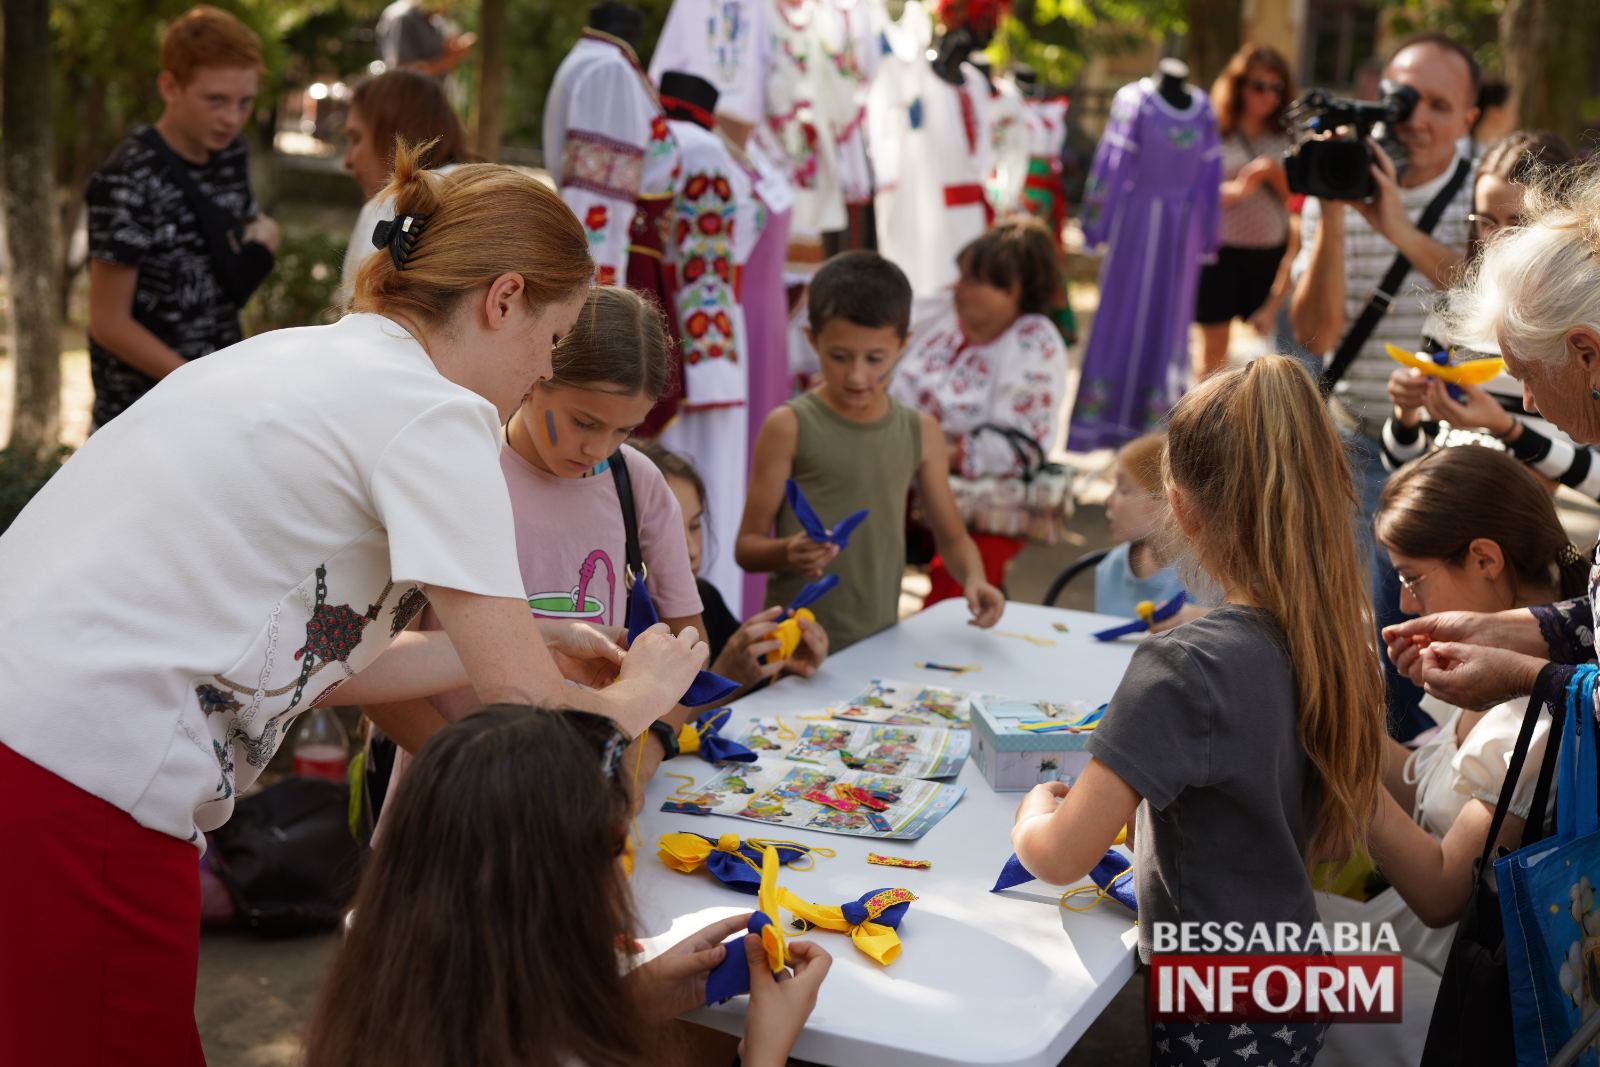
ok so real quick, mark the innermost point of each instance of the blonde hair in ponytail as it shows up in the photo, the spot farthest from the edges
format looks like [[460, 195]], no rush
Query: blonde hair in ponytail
[[484, 220], [1261, 467]]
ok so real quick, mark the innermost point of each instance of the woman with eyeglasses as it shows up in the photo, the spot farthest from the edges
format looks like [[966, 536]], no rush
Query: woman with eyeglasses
[[1468, 529], [1426, 413], [1250, 276]]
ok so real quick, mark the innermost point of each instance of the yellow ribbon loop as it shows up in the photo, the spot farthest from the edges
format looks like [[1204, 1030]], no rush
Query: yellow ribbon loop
[[768, 899], [688, 739], [788, 633], [881, 943], [1098, 893], [1146, 610], [686, 852]]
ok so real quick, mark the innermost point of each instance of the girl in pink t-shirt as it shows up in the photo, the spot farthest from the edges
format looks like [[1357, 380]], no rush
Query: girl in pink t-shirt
[[607, 373]]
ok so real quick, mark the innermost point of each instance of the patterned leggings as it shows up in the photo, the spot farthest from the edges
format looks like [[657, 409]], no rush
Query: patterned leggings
[[1236, 1044]]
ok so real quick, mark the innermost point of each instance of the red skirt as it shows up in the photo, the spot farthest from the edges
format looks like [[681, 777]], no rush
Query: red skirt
[[996, 552], [99, 930]]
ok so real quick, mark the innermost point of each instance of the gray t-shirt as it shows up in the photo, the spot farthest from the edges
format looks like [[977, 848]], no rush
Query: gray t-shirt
[[1205, 727]]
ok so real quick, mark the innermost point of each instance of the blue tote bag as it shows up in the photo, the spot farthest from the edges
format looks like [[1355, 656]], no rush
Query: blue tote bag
[[1547, 897]]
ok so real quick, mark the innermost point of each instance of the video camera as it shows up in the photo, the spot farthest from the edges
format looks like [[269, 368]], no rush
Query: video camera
[[1339, 167]]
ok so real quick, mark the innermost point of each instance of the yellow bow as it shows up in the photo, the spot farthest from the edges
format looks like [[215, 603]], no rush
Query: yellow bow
[[880, 942], [686, 852], [1470, 372]]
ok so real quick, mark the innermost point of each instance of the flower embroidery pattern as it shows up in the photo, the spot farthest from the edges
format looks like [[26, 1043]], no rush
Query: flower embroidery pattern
[[705, 303], [601, 165]]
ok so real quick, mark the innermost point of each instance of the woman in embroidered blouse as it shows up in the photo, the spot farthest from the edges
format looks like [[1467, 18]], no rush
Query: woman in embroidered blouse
[[1536, 291], [985, 353]]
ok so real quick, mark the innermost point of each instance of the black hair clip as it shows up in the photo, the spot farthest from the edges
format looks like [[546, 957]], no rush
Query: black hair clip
[[399, 236]]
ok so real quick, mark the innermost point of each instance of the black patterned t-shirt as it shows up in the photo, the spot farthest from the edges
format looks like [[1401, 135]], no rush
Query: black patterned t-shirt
[[140, 217]]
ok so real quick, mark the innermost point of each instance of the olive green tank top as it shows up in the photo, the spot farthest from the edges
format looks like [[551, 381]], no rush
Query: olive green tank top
[[843, 466]]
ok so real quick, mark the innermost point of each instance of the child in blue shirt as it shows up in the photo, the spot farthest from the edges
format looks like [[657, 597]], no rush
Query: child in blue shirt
[[1132, 571]]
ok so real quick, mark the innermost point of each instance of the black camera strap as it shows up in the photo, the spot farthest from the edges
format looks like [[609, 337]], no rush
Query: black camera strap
[[1383, 295]]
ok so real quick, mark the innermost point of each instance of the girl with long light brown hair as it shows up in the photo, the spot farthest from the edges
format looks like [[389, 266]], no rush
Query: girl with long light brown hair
[[1249, 742]]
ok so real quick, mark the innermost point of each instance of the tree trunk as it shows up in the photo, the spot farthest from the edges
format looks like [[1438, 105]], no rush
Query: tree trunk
[[1546, 44], [26, 116], [492, 72], [1213, 38]]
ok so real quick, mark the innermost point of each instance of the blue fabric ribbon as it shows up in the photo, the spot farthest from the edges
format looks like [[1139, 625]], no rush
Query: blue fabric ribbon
[[714, 748], [1139, 626], [735, 873], [812, 525], [812, 593], [731, 977], [1104, 874], [707, 688]]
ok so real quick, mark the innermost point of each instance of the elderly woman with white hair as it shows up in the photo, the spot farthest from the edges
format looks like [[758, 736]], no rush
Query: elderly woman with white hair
[[1536, 293]]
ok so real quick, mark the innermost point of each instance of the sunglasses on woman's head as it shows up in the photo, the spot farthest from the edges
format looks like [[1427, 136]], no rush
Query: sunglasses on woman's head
[[602, 732], [1263, 86]]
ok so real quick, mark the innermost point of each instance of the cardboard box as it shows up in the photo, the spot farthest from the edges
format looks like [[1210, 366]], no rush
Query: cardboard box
[[1016, 760]]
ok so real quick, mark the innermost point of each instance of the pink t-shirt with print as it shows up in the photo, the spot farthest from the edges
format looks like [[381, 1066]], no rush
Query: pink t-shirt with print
[[567, 525]]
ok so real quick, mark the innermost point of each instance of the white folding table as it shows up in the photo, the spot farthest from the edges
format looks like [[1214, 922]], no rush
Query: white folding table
[[982, 978]]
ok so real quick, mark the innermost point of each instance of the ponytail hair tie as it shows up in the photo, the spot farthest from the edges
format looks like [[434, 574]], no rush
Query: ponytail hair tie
[[399, 236], [1569, 555]]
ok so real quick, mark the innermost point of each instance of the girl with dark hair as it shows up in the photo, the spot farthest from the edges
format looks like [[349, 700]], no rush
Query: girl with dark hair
[[1251, 274], [1468, 530], [397, 105], [500, 878]]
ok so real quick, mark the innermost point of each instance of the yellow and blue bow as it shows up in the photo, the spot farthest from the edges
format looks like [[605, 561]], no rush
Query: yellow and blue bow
[[872, 920], [788, 632], [1112, 877], [1149, 614], [731, 977], [734, 863], [704, 736]]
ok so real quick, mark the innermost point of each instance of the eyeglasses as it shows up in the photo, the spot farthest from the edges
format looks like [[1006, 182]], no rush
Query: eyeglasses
[[1411, 584], [1261, 85]]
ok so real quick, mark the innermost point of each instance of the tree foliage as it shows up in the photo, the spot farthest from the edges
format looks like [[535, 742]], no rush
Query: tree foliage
[[1057, 37]]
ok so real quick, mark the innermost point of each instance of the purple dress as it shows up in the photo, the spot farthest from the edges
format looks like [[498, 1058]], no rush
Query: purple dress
[[766, 316], [1153, 200]]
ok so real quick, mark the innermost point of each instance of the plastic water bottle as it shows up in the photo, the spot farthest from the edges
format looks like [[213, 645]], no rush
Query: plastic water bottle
[[321, 747]]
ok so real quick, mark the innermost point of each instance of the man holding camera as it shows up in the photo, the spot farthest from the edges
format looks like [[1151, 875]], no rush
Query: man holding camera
[[1351, 292]]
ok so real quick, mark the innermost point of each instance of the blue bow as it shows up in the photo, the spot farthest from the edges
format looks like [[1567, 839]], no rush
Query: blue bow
[[707, 688], [731, 977], [1107, 874], [1142, 624], [839, 535]]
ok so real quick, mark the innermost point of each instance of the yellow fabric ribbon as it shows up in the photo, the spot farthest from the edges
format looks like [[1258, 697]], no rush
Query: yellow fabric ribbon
[[880, 942], [768, 899], [1469, 372], [788, 633], [689, 734], [686, 852]]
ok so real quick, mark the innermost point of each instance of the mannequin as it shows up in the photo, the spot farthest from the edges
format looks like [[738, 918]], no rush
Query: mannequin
[[619, 20], [1027, 80], [718, 220], [981, 64], [1172, 76], [952, 50]]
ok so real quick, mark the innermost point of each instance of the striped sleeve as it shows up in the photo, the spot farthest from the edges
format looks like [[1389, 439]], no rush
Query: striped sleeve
[[1402, 444], [1571, 465]]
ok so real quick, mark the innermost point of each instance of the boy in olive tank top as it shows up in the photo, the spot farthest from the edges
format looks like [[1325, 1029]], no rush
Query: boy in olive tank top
[[850, 445]]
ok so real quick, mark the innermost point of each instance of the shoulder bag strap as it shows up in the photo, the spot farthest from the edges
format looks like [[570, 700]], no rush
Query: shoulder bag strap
[[630, 517], [222, 233], [1383, 295], [1534, 830]]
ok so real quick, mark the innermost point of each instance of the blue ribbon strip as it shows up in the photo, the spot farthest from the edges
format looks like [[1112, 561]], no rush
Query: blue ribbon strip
[[812, 525]]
